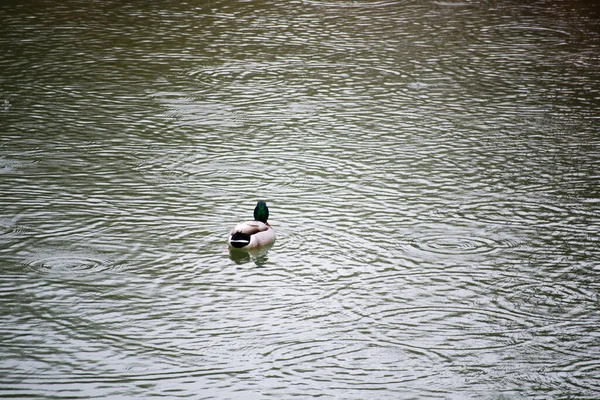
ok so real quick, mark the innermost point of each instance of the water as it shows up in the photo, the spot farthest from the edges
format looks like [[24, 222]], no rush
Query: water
[[431, 169]]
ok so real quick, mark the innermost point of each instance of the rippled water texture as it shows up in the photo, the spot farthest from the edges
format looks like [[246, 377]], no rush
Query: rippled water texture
[[431, 167]]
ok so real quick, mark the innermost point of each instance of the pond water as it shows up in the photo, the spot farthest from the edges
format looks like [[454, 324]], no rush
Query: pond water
[[431, 168]]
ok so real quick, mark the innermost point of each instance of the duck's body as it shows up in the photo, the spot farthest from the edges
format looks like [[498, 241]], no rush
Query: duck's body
[[252, 234]]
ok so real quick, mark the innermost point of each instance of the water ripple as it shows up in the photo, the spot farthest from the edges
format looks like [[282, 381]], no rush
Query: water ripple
[[583, 374], [455, 244], [518, 211], [69, 261]]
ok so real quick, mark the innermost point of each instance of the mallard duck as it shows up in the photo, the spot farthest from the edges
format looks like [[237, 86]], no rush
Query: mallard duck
[[253, 234]]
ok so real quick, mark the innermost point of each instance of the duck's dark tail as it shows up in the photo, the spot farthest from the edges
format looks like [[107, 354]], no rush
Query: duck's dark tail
[[239, 240]]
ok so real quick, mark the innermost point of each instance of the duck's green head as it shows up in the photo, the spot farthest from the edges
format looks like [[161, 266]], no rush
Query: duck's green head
[[261, 212]]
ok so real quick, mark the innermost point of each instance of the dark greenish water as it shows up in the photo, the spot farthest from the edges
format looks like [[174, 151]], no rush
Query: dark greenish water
[[431, 168]]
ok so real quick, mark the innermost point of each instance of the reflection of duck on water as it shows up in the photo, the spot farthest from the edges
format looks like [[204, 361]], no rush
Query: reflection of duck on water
[[252, 234]]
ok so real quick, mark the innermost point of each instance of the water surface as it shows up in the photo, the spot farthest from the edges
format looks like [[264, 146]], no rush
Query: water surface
[[431, 168]]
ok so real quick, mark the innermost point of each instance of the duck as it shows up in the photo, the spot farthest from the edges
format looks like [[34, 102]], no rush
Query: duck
[[252, 234]]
